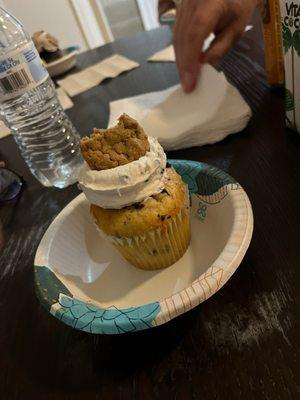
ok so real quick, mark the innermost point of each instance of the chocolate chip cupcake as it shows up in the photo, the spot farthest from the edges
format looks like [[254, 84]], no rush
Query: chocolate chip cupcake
[[138, 203]]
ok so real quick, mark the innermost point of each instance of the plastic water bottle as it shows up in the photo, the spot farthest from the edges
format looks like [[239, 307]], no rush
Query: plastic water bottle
[[29, 106]]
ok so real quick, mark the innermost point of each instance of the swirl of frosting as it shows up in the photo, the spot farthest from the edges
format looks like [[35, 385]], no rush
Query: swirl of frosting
[[126, 184]]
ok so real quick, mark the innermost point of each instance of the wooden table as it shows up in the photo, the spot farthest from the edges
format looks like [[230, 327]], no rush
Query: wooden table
[[243, 342]]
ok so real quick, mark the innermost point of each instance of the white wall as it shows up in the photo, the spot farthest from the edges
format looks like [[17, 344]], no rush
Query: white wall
[[54, 16], [149, 13]]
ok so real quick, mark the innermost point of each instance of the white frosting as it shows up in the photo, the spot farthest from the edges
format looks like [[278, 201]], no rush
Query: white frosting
[[127, 184]]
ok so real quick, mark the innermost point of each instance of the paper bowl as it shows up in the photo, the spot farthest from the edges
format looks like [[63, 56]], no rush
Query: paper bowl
[[63, 64], [83, 280]]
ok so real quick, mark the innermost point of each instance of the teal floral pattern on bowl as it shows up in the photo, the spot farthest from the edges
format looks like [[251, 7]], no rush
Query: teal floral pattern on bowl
[[211, 186], [202, 178], [189, 170], [90, 318], [85, 316]]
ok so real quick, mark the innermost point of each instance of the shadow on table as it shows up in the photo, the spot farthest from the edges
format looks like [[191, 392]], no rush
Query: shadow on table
[[55, 359], [122, 355]]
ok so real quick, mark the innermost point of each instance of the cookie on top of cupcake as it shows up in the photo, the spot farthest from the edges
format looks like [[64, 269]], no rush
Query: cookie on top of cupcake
[[138, 202]]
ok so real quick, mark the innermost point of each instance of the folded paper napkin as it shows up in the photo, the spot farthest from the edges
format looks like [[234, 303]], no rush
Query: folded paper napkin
[[165, 55], [86, 79], [64, 100], [214, 110], [4, 131], [168, 54]]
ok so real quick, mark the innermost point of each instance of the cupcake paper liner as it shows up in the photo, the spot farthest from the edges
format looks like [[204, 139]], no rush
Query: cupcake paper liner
[[158, 248]]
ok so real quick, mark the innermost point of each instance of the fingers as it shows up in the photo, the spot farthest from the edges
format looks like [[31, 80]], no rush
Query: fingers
[[195, 21], [222, 43]]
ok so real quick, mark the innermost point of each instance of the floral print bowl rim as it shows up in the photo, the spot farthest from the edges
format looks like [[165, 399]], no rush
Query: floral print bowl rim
[[214, 192]]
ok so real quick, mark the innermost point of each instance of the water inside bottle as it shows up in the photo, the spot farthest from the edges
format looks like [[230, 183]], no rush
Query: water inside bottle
[[29, 106], [47, 139]]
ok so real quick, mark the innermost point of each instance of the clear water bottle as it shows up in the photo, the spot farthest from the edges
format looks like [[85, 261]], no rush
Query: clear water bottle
[[29, 106]]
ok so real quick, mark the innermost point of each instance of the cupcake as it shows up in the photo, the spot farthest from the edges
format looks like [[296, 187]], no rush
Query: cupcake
[[138, 202]]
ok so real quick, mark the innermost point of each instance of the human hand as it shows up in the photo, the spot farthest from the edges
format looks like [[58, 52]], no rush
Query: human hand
[[164, 6], [195, 20]]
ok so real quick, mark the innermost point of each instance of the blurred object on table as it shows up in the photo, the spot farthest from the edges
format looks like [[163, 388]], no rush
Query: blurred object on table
[[168, 18], [65, 63], [46, 45], [270, 13], [57, 61], [11, 185]]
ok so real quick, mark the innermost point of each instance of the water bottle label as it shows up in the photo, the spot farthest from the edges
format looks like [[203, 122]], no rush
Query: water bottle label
[[20, 71]]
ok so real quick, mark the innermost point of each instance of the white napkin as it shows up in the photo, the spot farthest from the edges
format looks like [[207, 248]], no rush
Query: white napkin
[[108, 68], [4, 131], [164, 55], [64, 100], [168, 54], [214, 110]]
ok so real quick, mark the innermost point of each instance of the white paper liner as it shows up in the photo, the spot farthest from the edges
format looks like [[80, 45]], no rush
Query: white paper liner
[[159, 248]]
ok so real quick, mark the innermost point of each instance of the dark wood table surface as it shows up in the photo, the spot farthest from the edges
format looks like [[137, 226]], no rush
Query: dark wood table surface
[[243, 343]]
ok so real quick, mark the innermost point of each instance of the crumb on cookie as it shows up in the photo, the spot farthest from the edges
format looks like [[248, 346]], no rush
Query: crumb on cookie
[[119, 145]]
